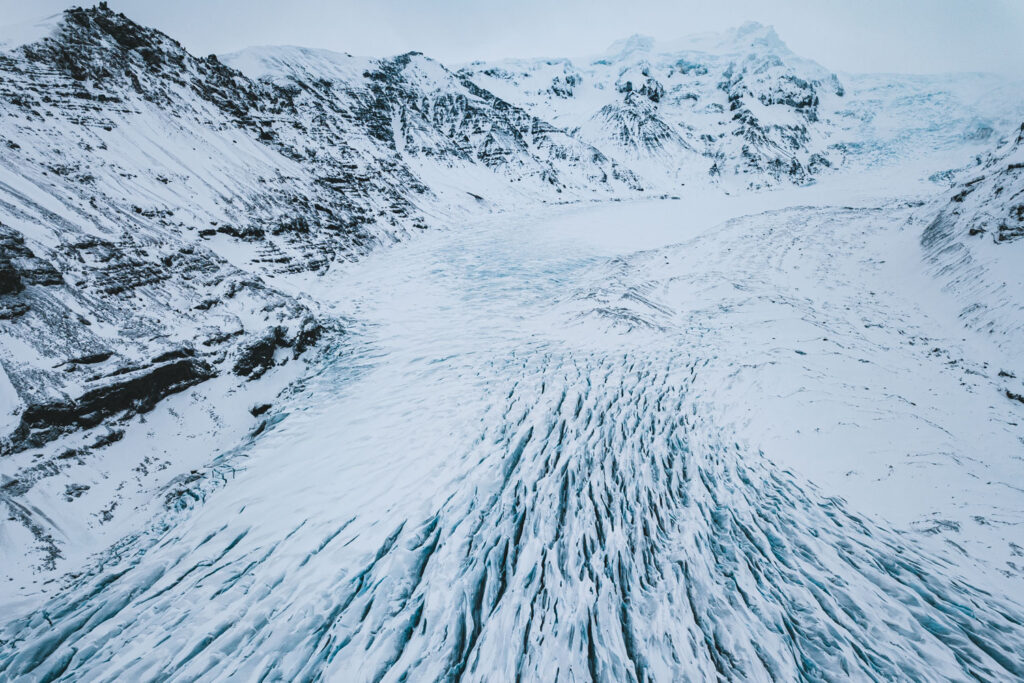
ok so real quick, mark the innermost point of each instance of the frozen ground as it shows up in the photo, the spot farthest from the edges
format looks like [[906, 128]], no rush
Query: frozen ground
[[762, 446]]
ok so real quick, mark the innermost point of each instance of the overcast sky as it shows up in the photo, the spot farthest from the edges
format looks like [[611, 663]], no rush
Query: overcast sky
[[843, 35]]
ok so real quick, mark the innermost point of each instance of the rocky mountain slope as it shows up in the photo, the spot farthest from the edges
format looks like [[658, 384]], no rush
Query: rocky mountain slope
[[738, 104], [440, 128], [975, 245]]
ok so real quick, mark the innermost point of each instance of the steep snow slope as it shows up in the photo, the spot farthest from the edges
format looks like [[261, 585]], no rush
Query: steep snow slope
[[140, 216], [140, 210], [976, 248]]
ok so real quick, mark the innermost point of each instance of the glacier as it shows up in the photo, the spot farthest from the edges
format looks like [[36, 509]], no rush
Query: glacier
[[530, 459]]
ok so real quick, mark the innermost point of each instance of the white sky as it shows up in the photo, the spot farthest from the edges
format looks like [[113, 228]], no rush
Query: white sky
[[843, 35]]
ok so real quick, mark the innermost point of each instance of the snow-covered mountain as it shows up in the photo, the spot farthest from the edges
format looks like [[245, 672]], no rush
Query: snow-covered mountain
[[439, 128], [733, 104], [152, 198], [326, 328], [743, 108]]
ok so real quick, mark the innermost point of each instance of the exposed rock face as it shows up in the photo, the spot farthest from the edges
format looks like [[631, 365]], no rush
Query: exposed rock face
[[20, 267], [129, 391], [258, 355]]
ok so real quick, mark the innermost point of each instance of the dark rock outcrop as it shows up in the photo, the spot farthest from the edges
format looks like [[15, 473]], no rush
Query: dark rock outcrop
[[128, 393]]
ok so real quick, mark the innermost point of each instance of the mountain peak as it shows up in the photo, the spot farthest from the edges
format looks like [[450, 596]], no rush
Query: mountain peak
[[97, 25], [635, 43], [751, 36], [757, 34]]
